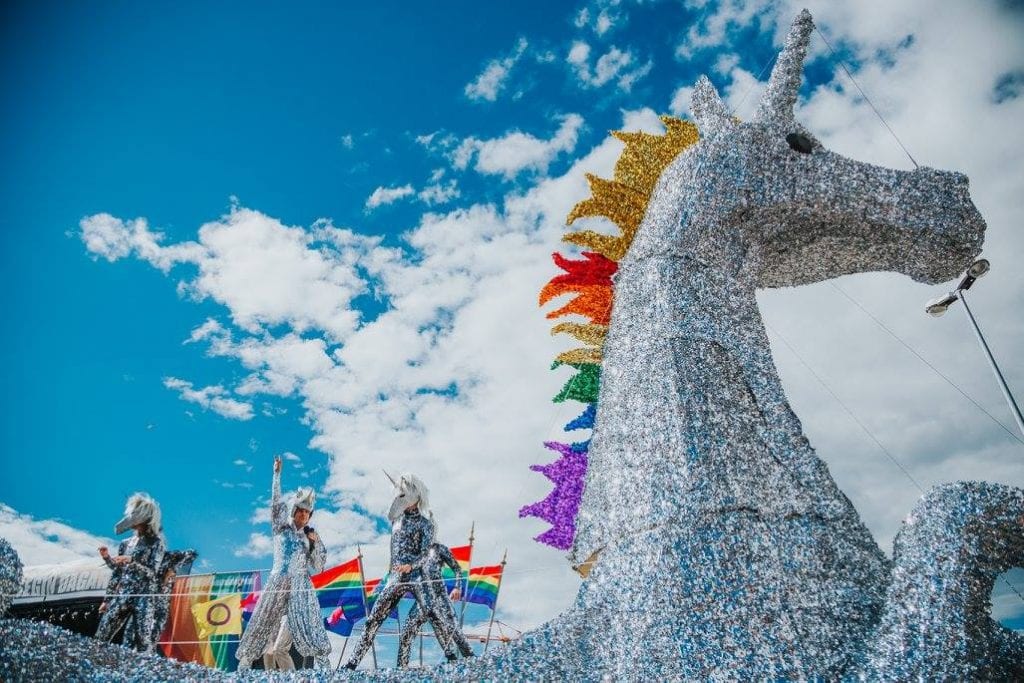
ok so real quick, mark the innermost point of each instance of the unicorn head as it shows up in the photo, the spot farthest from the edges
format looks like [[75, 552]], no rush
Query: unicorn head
[[409, 491], [767, 196], [140, 509]]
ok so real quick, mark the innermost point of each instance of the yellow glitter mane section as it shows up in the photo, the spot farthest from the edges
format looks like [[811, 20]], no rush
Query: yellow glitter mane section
[[624, 199]]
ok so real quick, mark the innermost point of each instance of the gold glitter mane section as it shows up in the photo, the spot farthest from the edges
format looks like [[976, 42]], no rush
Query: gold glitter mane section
[[624, 199]]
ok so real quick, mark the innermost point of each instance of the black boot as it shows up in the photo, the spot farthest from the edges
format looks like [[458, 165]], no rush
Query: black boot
[[450, 658], [351, 666]]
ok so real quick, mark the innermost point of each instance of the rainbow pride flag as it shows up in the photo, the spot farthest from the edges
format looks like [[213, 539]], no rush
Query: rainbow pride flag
[[342, 588], [461, 554], [484, 583], [340, 585], [180, 639]]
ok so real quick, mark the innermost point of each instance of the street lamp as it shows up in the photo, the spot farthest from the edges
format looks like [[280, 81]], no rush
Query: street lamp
[[938, 307]]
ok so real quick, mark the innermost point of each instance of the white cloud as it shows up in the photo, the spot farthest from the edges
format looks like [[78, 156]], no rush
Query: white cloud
[[383, 196], [615, 65], [48, 541], [516, 152], [680, 105], [112, 238], [211, 398], [347, 141], [439, 193], [492, 79]]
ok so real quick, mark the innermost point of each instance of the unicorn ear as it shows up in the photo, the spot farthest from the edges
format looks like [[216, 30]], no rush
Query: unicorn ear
[[708, 110], [784, 84]]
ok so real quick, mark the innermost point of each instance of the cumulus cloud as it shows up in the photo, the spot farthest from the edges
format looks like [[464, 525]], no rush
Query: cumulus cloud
[[383, 196], [516, 152], [213, 398], [492, 79], [47, 541], [615, 65], [439, 193]]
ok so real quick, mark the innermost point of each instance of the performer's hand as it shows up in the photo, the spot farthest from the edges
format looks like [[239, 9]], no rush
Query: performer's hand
[[103, 607], [403, 568], [456, 594], [104, 552], [121, 559], [312, 536], [277, 464]]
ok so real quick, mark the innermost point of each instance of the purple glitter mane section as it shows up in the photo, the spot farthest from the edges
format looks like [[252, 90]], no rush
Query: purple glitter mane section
[[560, 506]]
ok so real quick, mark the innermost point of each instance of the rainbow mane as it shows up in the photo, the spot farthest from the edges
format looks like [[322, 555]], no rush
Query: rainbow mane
[[624, 202]]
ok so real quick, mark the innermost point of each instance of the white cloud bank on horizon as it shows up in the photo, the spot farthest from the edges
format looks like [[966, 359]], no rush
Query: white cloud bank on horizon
[[48, 541], [451, 379]]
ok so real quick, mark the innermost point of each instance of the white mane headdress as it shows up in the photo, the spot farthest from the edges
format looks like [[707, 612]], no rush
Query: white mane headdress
[[140, 509]]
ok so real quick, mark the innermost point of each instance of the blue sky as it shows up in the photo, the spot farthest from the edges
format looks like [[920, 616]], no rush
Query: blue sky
[[177, 113]]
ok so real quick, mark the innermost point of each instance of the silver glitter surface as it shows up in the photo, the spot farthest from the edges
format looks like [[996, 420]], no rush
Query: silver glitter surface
[[724, 550], [10, 575], [949, 553]]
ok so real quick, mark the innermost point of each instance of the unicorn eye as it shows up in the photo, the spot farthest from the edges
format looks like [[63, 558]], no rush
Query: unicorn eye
[[799, 143]]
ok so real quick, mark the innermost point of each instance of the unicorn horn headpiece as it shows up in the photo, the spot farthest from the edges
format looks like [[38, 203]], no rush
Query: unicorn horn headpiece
[[304, 499], [140, 509]]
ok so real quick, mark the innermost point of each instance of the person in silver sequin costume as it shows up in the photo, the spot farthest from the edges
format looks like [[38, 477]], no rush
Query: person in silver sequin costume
[[437, 607], [288, 610], [133, 582], [412, 532]]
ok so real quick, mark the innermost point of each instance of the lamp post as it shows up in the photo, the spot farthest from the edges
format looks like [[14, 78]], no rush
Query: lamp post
[[938, 307]]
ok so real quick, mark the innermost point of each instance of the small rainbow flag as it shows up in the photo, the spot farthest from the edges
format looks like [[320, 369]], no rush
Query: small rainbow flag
[[483, 585], [461, 554], [180, 639], [341, 585]]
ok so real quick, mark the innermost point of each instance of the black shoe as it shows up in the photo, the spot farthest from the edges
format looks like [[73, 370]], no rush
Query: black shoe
[[450, 658], [351, 666]]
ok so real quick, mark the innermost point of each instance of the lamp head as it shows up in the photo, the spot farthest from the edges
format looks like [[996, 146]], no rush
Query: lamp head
[[979, 268], [938, 306]]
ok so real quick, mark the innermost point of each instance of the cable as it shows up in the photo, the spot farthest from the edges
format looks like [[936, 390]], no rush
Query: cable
[[866, 98], [923, 360], [847, 409]]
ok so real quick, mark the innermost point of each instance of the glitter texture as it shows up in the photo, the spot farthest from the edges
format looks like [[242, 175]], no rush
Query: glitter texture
[[10, 575], [724, 549]]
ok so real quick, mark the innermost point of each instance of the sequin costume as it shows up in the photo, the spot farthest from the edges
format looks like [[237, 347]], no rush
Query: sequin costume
[[411, 536], [437, 607], [161, 604], [129, 592], [288, 601]]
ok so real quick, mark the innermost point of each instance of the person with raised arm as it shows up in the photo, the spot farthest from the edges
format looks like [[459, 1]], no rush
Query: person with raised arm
[[288, 610]]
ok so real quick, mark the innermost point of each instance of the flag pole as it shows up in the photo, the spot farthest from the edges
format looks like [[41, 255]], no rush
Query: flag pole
[[366, 608], [462, 611], [494, 609]]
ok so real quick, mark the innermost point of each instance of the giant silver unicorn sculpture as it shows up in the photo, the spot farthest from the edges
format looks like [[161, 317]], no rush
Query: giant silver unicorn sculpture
[[718, 545], [717, 542]]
